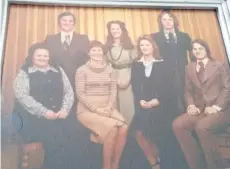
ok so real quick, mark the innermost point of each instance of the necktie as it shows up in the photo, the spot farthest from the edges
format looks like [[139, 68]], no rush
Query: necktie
[[201, 71], [171, 38], [66, 43]]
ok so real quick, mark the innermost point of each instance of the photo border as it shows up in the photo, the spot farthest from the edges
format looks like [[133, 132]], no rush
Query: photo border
[[222, 8]]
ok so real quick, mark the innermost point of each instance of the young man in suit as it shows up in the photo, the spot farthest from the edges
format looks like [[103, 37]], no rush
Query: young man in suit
[[207, 92], [68, 48], [70, 51], [173, 46]]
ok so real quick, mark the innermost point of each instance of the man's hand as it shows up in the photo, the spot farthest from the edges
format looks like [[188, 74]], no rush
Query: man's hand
[[210, 110], [193, 110]]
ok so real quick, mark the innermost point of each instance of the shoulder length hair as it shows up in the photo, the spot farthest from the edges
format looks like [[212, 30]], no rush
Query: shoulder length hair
[[156, 53]]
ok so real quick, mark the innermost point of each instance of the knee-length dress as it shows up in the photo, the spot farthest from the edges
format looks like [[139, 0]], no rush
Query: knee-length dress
[[122, 60], [97, 88]]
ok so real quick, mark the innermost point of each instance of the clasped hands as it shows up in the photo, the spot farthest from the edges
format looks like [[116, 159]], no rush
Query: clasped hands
[[193, 110], [104, 111], [50, 115], [152, 103]]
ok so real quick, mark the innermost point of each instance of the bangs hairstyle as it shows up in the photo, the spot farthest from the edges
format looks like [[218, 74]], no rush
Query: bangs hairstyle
[[66, 14], [29, 59], [96, 43], [126, 41], [175, 20], [156, 53], [205, 45]]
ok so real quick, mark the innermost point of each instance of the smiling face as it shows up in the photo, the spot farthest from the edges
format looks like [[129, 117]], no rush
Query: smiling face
[[67, 23], [146, 47], [41, 58], [115, 30], [167, 21], [96, 53], [199, 51]]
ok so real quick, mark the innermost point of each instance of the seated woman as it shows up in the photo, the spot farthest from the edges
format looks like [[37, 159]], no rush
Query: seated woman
[[96, 89], [151, 125], [44, 98]]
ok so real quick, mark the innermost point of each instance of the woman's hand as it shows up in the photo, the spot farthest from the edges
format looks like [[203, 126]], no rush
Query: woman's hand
[[62, 114], [144, 104], [102, 111], [153, 103], [50, 115]]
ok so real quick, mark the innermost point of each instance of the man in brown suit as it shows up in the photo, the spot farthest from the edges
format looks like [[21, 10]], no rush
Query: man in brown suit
[[207, 92], [68, 48]]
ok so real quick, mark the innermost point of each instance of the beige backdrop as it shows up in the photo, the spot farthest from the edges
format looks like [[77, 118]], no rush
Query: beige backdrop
[[28, 24]]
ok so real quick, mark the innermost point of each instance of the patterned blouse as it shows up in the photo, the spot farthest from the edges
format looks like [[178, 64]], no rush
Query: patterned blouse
[[22, 88]]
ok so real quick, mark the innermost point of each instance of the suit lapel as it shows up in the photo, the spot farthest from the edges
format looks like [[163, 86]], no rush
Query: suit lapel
[[210, 69], [194, 74], [59, 42], [73, 44]]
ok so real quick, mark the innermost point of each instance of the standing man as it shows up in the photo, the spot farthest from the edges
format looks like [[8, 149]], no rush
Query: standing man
[[207, 94], [173, 46], [70, 51]]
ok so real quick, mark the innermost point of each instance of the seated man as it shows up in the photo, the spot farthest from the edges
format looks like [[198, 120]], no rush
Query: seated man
[[207, 92]]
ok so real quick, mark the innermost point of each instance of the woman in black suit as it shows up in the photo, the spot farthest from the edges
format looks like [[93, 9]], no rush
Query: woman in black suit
[[151, 124], [173, 46]]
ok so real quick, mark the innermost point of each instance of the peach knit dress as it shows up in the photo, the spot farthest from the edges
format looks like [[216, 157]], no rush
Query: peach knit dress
[[97, 88]]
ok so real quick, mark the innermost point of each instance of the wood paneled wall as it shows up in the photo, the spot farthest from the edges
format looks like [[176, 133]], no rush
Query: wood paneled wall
[[28, 24]]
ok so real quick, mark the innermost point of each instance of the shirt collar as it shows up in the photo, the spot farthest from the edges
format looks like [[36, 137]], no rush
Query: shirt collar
[[64, 34], [166, 33], [35, 69], [152, 61], [205, 61]]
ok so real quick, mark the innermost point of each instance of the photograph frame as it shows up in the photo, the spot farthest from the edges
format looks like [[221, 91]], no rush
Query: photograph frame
[[221, 7]]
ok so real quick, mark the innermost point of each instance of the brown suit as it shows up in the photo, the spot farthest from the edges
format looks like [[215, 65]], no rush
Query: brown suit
[[73, 58], [213, 89]]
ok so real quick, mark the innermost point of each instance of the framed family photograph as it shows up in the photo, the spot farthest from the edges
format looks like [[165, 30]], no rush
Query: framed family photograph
[[115, 84]]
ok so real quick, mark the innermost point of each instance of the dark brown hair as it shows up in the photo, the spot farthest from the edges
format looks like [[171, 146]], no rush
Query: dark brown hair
[[205, 45], [29, 59], [66, 14], [96, 43], [125, 38], [175, 20], [156, 53]]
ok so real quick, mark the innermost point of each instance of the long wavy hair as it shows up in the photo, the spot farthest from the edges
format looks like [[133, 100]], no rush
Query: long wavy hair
[[156, 53], [126, 41]]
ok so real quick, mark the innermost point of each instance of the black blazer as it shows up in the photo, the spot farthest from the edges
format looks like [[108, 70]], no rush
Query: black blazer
[[70, 60], [158, 87], [174, 54]]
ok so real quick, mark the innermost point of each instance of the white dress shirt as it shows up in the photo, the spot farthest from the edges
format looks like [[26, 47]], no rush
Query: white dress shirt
[[64, 34], [148, 65]]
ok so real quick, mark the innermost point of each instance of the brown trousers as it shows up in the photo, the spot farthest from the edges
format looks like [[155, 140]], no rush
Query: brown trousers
[[203, 126]]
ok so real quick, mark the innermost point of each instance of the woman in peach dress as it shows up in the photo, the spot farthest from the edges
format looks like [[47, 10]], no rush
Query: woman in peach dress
[[96, 89]]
